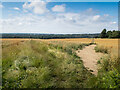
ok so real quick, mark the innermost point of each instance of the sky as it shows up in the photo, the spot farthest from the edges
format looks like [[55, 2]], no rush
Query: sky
[[58, 17], [64, 0]]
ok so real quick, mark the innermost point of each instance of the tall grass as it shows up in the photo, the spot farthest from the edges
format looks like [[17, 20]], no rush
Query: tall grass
[[101, 49], [108, 72], [37, 64]]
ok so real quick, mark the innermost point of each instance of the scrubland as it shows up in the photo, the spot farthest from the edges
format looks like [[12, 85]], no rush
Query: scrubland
[[53, 63]]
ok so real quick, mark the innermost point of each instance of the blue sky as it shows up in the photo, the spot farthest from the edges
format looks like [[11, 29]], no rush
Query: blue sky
[[59, 17], [64, 0], [102, 7]]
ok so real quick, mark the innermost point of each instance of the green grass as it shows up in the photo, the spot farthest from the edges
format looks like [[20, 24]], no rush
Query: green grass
[[36, 64], [108, 73]]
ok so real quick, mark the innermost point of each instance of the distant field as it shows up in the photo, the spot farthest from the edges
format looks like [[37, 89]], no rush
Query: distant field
[[110, 44]]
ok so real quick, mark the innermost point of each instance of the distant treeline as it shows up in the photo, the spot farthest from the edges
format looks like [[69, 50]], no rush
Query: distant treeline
[[48, 36], [109, 34], [103, 34]]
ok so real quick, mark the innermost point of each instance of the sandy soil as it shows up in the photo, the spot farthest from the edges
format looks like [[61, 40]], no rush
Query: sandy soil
[[90, 58]]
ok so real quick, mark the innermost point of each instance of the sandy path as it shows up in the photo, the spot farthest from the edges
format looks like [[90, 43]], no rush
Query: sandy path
[[90, 58]]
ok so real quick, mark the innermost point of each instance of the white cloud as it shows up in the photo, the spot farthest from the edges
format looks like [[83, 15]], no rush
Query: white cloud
[[16, 8], [96, 17], [59, 8], [1, 6], [36, 7], [59, 23], [114, 22]]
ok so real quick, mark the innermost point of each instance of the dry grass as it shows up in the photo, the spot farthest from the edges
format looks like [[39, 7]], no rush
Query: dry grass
[[18, 45], [110, 44], [77, 40]]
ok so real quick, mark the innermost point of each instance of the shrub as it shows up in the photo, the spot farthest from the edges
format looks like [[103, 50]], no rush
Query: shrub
[[101, 49]]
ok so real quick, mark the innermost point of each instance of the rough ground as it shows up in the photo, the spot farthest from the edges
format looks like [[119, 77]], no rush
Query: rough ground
[[90, 58]]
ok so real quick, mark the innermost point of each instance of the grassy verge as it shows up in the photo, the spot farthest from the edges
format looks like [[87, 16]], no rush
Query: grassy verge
[[36, 64], [108, 73]]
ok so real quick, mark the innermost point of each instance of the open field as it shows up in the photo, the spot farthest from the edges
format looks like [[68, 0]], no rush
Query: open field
[[111, 44], [105, 42], [53, 63]]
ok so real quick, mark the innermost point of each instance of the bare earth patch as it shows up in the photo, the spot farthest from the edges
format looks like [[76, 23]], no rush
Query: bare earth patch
[[90, 58]]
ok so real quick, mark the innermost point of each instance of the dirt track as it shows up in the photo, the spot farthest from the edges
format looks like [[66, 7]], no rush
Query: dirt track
[[90, 58]]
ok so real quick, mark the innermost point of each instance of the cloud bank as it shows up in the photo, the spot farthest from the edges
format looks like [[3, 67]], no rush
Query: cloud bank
[[41, 20]]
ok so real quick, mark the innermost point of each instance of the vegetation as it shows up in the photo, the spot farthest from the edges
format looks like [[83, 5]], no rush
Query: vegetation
[[108, 74], [54, 64], [37, 64], [109, 34], [47, 36], [103, 34], [101, 49]]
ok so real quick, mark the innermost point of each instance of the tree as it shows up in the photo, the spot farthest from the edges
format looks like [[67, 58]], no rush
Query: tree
[[103, 34], [116, 34], [109, 34]]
